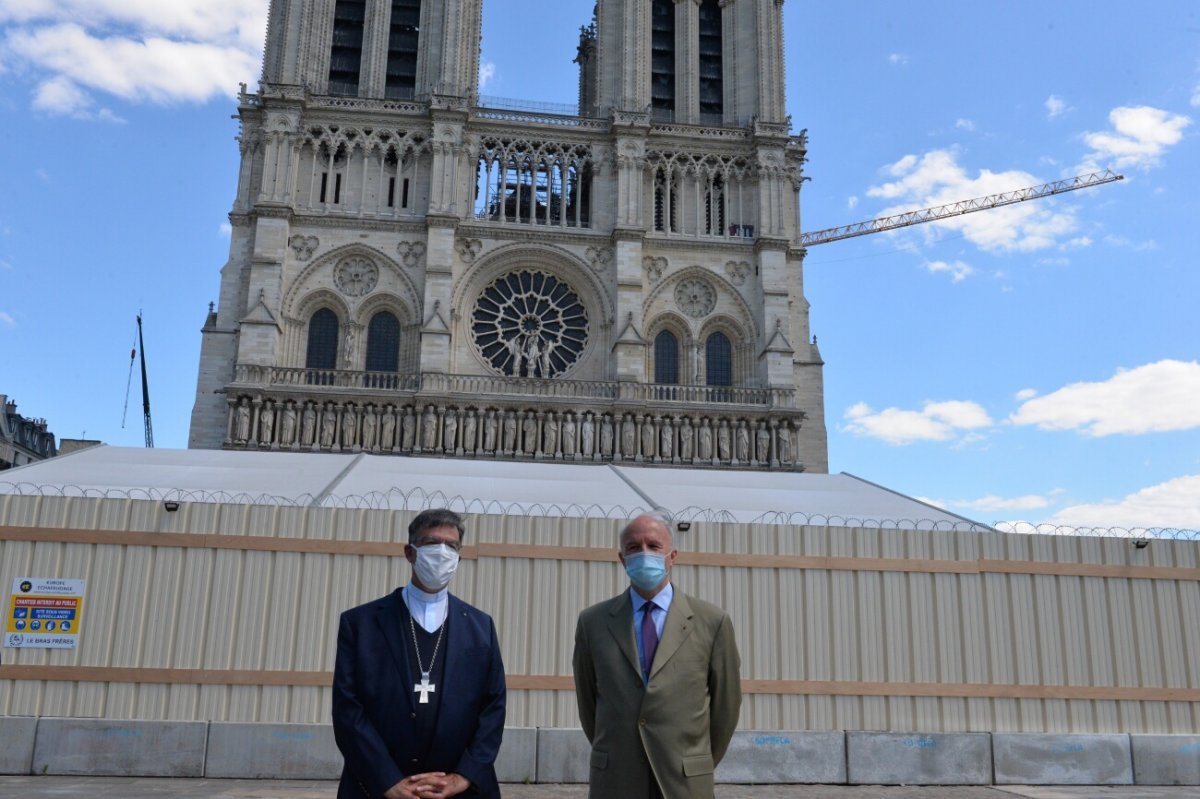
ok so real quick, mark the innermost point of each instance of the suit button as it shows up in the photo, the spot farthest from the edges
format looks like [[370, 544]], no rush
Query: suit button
[[414, 715], [642, 722], [414, 760]]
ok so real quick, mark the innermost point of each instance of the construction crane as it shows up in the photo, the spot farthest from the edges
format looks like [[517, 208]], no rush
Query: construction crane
[[145, 389], [959, 208]]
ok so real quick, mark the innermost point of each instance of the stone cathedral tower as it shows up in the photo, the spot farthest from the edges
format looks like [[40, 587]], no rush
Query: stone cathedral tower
[[417, 270]]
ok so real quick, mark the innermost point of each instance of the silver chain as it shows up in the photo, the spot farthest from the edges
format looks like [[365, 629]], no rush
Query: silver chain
[[441, 631]]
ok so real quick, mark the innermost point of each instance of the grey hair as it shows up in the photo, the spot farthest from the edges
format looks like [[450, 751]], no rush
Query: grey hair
[[658, 517], [435, 517]]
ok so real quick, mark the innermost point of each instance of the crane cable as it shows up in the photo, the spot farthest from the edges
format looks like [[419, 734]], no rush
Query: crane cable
[[129, 380]]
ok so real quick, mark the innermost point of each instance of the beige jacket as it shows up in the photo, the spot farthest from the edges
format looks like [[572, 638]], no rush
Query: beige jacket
[[674, 729]]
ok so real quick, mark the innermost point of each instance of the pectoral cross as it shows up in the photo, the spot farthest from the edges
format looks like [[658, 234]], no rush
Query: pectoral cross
[[424, 688]]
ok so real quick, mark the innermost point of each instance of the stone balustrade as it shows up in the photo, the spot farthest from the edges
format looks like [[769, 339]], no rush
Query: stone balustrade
[[515, 430]]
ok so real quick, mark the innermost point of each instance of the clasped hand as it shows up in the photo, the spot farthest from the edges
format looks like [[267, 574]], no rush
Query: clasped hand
[[431, 785]]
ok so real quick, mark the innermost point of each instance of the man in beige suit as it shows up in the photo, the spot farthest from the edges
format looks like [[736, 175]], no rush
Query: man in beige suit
[[657, 679]]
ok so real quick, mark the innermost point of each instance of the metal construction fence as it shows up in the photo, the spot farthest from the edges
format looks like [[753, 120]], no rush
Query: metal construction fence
[[418, 499]]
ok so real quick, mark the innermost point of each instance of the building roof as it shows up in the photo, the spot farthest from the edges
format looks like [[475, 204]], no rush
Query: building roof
[[477, 486]]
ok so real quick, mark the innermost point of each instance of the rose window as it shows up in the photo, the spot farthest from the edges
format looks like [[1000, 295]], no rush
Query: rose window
[[695, 297], [356, 276], [528, 323]]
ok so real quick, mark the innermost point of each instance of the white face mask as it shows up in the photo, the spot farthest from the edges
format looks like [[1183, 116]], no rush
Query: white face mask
[[435, 565]]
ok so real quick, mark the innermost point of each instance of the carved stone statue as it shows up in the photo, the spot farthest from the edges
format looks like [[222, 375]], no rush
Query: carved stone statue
[[550, 435], [648, 437], [513, 345], [628, 437], [546, 359], [489, 432], [606, 435], [328, 425], [785, 443], [685, 439], [704, 450], [450, 430], [287, 425], [587, 432], [308, 425], [408, 430], [666, 440], [241, 432], [266, 424], [723, 448], [568, 435], [743, 442], [370, 426], [510, 433], [762, 438], [529, 428], [387, 428], [429, 429], [532, 353], [468, 431], [349, 427]]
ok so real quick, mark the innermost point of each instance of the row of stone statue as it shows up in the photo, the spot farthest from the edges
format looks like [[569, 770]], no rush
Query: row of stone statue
[[548, 434]]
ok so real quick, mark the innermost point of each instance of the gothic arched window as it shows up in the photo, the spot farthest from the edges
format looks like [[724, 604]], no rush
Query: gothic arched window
[[662, 63], [718, 360], [322, 341], [345, 52], [712, 90], [383, 343], [403, 39], [666, 358]]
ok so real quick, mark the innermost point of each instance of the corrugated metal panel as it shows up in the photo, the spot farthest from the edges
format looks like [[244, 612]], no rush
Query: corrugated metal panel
[[276, 612]]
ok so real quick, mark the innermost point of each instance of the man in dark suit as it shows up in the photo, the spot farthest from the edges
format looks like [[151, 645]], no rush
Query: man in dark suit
[[657, 679], [418, 686]]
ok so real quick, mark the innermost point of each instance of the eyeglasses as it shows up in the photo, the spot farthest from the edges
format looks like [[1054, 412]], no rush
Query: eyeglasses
[[425, 542]]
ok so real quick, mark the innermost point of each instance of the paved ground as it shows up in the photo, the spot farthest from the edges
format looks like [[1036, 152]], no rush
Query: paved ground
[[140, 788]]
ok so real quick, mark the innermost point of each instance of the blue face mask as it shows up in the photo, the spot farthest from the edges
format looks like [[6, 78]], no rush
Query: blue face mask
[[646, 569]]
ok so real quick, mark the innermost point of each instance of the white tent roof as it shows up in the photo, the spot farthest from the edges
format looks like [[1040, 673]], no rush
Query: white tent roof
[[477, 486]]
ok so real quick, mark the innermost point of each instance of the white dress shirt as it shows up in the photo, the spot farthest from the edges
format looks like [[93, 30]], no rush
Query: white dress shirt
[[662, 603]]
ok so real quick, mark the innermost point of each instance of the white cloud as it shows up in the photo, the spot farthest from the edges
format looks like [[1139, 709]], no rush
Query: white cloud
[[936, 178], [958, 270], [486, 73], [899, 59], [937, 421], [6, 320], [1078, 243], [1138, 139], [1196, 96], [965, 124], [993, 503], [138, 50], [1026, 394], [1175, 503], [1055, 106], [852, 203], [1158, 397], [225, 230]]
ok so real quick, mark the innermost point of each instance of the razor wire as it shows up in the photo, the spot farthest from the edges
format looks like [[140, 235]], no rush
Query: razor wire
[[418, 499]]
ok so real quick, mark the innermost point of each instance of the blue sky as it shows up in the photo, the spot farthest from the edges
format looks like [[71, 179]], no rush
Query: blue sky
[[1037, 363]]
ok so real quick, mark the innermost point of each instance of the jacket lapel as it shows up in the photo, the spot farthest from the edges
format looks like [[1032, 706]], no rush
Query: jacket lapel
[[388, 615], [676, 629], [620, 626]]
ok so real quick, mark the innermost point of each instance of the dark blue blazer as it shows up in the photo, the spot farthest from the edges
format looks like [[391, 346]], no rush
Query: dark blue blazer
[[373, 700]]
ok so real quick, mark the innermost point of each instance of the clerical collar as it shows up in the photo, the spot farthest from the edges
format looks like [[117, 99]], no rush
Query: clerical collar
[[428, 609]]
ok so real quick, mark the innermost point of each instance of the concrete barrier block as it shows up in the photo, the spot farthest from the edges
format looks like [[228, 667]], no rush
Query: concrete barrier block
[[517, 761], [1166, 759], [104, 747], [759, 757], [563, 756], [886, 758], [1046, 759], [18, 734], [272, 751]]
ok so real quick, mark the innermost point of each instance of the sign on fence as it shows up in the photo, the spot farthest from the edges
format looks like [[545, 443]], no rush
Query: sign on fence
[[44, 613]]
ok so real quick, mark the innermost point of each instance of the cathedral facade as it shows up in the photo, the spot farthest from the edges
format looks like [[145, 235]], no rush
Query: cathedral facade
[[415, 269]]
